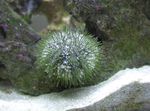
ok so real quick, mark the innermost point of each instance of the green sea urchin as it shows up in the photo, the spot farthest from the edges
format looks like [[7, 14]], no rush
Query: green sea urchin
[[69, 58]]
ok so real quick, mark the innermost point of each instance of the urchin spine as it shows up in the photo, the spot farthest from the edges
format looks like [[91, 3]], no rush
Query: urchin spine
[[70, 58]]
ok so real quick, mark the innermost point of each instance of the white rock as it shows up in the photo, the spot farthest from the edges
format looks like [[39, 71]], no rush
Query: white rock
[[118, 91]]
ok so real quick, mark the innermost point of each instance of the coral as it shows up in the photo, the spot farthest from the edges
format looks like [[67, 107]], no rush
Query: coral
[[69, 58]]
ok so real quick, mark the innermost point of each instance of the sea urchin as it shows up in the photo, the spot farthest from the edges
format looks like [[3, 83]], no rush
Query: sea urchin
[[69, 58]]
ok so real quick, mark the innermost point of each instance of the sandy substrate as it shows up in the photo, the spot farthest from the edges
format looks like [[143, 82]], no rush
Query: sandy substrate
[[11, 100]]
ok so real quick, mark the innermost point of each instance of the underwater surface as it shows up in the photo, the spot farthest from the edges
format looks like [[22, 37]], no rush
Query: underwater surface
[[50, 46]]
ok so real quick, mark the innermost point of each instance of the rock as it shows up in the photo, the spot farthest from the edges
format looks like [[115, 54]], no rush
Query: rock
[[125, 25], [16, 44], [123, 22], [120, 25], [66, 59], [127, 90], [147, 8]]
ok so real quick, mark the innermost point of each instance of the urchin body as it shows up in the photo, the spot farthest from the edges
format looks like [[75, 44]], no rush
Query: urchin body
[[69, 58]]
